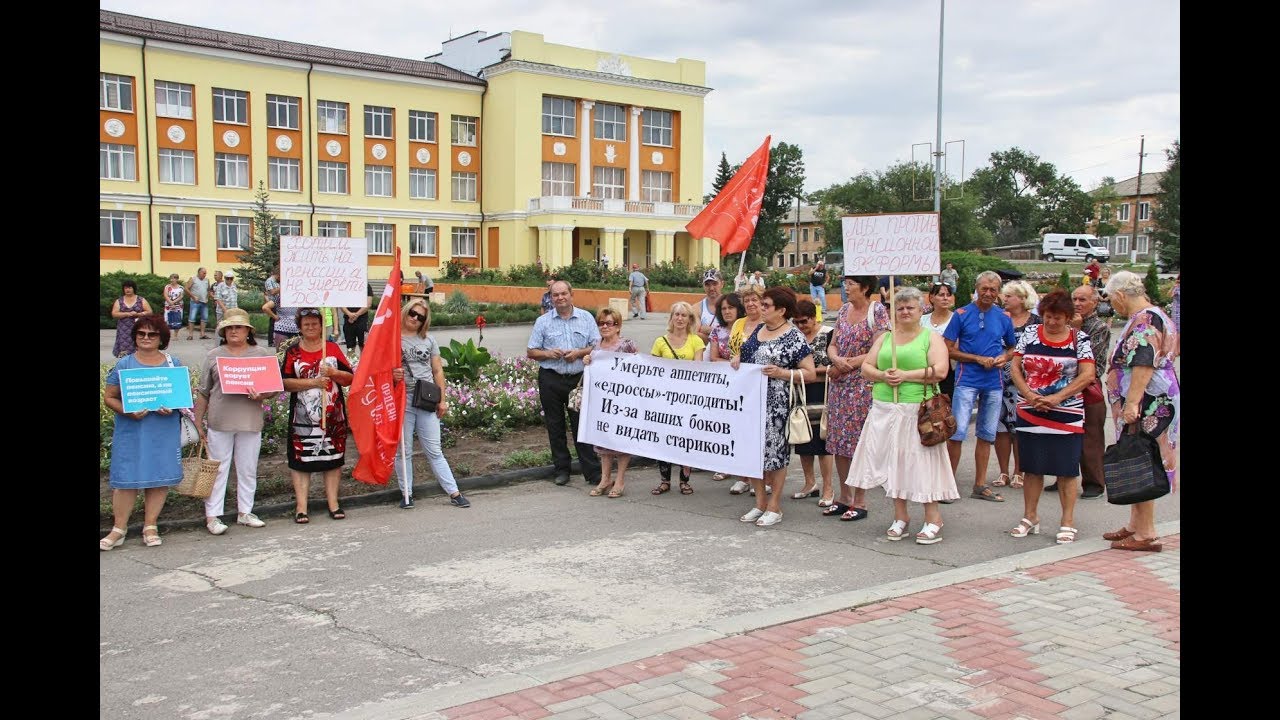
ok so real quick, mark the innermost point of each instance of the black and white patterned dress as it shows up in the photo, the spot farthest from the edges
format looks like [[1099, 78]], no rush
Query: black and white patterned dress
[[785, 351]]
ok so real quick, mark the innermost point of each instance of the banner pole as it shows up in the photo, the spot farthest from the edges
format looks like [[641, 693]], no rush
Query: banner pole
[[742, 260], [893, 323]]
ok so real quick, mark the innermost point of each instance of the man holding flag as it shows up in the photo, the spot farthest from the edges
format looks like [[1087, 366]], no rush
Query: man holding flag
[[377, 404]]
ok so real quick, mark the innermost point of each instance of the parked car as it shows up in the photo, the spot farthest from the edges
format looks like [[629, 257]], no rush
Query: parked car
[[1073, 246]]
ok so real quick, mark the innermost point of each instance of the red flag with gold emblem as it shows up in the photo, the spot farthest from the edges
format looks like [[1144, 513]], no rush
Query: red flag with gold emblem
[[375, 408], [730, 218]]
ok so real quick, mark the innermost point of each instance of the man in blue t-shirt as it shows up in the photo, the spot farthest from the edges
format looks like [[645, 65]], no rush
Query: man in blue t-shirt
[[981, 340]]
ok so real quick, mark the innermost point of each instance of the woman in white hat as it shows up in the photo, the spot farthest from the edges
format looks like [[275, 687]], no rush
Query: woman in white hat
[[235, 421]]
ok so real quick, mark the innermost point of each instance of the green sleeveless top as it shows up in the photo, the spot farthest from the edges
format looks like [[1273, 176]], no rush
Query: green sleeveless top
[[912, 356]]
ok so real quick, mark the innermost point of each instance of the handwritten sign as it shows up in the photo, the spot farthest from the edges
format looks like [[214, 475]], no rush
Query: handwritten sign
[[155, 388], [323, 271], [705, 415], [239, 375], [899, 244]]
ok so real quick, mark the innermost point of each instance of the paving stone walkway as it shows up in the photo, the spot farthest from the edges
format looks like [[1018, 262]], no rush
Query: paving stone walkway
[[1089, 637]]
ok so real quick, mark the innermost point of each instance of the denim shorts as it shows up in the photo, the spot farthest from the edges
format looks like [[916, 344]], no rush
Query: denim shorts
[[989, 402], [199, 312]]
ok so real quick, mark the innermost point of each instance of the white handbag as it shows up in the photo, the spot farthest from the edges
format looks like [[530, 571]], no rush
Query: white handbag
[[190, 436], [799, 431]]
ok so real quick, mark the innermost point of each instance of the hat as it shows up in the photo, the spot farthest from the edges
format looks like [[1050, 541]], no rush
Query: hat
[[711, 275], [233, 317], [228, 274]]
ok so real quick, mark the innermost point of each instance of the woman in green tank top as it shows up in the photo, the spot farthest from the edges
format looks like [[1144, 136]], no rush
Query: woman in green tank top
[[890, 453]]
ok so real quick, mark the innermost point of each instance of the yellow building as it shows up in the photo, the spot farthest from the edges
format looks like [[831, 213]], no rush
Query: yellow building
[[492, 166]]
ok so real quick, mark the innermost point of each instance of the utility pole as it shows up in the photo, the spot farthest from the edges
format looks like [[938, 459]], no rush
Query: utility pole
[[937, 155], [1137, 203], [796, 230]]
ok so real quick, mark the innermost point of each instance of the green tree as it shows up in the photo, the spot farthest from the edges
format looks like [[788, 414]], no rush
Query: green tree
[[1104, 202], [1064, 280], [784, 184], [1167, 218], [263, 255], [724, 173], [1021, 196], [1151, 282]]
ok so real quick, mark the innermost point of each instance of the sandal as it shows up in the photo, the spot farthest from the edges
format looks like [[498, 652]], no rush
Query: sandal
[[929, 534], [805, 494], [615, 493], [719, 476], [1025, 527], [985, 493], [1066, 535], [1001, 481], [896, 531], [1115, 535], [107, 543], [152, 540], [301, 518], [835, 508], [664, 486], [599, 490], [826, 502], [338, 513], [685, 488], [1015, 482], [1133, 543], [854, 513]]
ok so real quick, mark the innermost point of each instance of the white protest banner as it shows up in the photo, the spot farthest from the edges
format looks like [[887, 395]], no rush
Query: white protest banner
[[896, 244], [323, 271], [704, 415], [239, 375]]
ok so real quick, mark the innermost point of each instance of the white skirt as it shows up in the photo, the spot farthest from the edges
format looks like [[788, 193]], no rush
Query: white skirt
[[890, 454]]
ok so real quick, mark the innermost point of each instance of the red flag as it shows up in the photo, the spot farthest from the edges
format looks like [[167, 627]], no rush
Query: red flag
[[730, 218], [375, 409]]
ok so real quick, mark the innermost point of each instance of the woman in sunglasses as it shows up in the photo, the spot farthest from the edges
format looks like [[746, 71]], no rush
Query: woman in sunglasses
[[145, 445], [611, 340]]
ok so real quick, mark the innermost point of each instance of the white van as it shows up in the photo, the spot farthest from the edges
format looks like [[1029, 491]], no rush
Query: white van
[[1073, 246]]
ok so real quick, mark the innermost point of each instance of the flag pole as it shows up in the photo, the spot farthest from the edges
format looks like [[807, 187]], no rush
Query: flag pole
[[893, 322]]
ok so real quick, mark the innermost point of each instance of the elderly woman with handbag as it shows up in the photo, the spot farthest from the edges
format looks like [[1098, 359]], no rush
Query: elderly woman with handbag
[[145, 445], [890, 452], [234, 423], [1143, 388], [422, 373], [817, 337], [1052, 365]]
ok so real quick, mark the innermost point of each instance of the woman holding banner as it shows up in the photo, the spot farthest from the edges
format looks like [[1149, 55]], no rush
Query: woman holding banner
[[780, 347], [742, 329], [610, 323], [889, 453], [145, 446], [235, 423], [680, 343], [314, 372]]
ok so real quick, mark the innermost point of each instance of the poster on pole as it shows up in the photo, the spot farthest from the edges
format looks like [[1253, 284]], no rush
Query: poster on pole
[[704, 415], [239, 375], [892, 244], [155, 388], [323, 271]]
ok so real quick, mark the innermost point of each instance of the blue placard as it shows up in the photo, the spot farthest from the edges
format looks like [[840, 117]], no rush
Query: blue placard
[[155, 388]]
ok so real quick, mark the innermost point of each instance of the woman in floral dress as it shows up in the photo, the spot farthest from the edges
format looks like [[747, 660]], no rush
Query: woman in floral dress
[[859, 322], [610, 323]]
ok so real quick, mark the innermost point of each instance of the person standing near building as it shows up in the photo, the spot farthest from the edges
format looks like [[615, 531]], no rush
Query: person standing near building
[[950, 277], [215, 291], [712, 284], [639, 288], [198, 290], [560, 339], [228, 295], [271, 293], [1085, 300], [818, 286]]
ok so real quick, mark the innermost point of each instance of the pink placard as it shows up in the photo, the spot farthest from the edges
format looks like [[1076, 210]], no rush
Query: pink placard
[[240, 375]]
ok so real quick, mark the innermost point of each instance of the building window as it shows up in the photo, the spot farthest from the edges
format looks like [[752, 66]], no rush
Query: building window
[[230, 106], [233, 233], [332, 116], [1122, 244], [377, 181], [1144, 212], [804, 258], [655, 186], [117, 162], [283, 111], [610, 122], [333, 178], [1122, 212], [115, 92], [422, 184], [381, 237], [656, 127], [284, 174], [464, 187], [287, 227], [557, 179], [792, 256], [334, 228], [177, 166], [608, 183], [779, 262], [422, 126], [118, 228], [378, 121], [1142, 246], [804, 236], [817, 234], [177, 231], [558, 116], [462, 130], [173, 100], [422, 239], [230, 170], [464, 242]]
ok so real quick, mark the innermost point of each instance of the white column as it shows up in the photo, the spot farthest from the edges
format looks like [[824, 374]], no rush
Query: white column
[[664, 245], [633, 167], [584, 140]]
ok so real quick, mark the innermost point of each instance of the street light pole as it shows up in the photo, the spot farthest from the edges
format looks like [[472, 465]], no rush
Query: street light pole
[[937, 155]]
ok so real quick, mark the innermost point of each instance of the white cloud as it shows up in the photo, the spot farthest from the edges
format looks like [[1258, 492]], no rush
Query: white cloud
[[852, 82]]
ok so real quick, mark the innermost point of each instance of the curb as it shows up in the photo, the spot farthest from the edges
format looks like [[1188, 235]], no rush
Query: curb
[[422, 705]]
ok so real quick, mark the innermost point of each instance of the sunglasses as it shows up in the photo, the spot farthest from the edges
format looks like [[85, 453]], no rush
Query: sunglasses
[[309, 312], [146, 334], [606, 323], [418, 315]]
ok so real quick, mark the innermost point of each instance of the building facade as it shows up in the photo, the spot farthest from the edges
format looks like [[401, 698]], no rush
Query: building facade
[[805, 242], [445, 163], [1131, 242]]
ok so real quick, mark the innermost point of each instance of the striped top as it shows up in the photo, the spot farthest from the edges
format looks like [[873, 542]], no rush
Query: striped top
[[1049, 367]]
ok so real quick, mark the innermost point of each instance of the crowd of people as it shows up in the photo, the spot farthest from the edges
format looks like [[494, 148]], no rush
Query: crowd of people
[[1040, 371]]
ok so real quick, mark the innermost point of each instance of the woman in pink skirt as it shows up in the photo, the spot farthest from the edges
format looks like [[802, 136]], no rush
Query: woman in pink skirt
[[889, 452]]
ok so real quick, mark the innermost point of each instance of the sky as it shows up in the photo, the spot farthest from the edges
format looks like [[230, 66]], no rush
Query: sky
[[853, 83]]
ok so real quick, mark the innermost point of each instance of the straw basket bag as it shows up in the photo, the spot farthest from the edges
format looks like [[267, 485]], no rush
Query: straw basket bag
[[198, 473]]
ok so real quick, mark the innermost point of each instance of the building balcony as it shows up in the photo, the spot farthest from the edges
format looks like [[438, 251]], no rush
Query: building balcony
[[600, 206]]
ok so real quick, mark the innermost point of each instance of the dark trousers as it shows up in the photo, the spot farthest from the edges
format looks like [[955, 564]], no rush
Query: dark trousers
[[553, 392], [1095, 420], [354, 332]]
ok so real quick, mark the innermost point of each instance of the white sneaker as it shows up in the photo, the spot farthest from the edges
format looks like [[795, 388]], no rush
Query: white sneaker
[[769, 518], [249, 519], [739, 487], [215, 526], [752, 515]]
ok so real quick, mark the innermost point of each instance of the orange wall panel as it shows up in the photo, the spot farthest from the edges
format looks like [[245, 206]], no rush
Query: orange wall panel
[[229, 257], [424, 261], [295, 144], [388, 159], [621, 150], [492, 255], [119, 252], [572, 152], [433, 158], [130, 122], [382, 260], [473, 159], [164, 138], [243, 144], [181, 255], [322, 148]]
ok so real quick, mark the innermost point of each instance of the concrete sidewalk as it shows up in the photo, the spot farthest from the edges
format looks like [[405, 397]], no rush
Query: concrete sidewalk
[[1077, 631]]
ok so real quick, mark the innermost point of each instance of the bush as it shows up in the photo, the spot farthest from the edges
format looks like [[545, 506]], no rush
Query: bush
[[970, 265], [458, 303], [150, 287], [1064, 281], [1152, 283], [527, 275], [676, 274]]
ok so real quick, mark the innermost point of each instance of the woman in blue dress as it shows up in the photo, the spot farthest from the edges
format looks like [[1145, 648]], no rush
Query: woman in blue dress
[[146, 446]]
